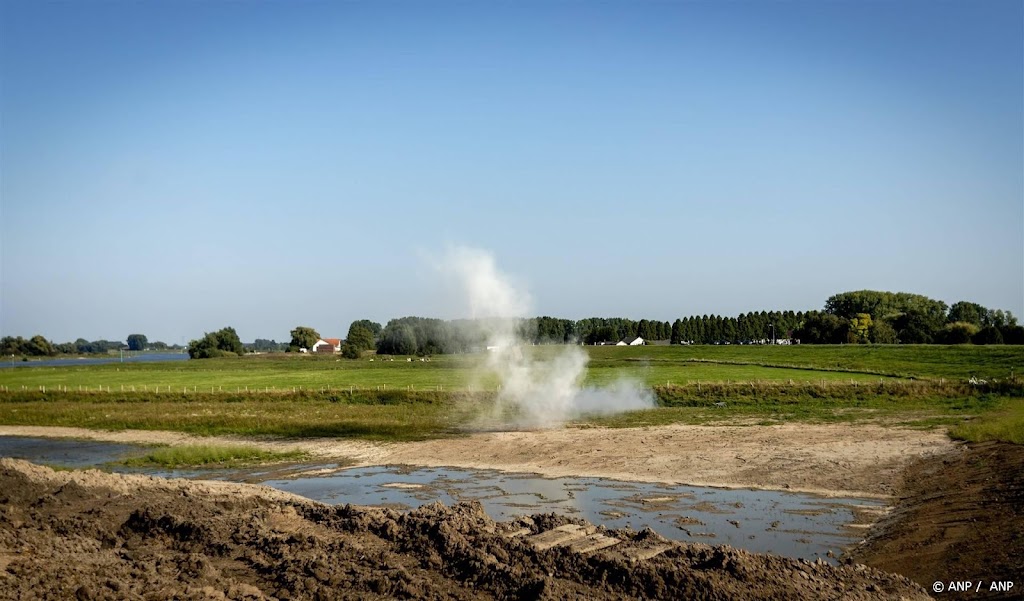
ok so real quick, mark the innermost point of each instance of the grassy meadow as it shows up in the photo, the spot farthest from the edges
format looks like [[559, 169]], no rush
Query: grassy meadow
[[650, 365], [306, 396]]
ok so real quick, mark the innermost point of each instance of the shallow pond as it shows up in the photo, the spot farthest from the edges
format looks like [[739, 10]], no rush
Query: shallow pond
[[789, 524]]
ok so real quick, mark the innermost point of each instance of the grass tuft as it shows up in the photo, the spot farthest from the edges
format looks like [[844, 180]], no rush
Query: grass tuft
[[1005, 424], [210, 456]]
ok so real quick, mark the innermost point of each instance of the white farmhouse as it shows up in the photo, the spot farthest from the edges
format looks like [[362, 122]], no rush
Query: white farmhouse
[[324, 346], [630, 341]]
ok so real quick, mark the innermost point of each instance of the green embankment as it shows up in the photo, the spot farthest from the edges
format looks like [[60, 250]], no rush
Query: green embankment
[[1005, 422]]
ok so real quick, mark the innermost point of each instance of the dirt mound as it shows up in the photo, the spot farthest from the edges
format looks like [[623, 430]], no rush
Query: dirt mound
[[90, 535], [960, 518]]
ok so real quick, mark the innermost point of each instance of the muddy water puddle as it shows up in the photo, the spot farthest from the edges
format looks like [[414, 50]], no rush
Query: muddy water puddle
[[788, 524]]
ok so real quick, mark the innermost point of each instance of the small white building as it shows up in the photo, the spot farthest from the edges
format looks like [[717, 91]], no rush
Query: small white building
[[630, 341], [322, 346]]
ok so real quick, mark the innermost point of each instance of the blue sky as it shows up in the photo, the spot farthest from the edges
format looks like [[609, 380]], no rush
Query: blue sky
[[171, 168]]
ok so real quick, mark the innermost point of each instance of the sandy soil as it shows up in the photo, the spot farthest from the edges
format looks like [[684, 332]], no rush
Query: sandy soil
[[91, 535], [837, 460]]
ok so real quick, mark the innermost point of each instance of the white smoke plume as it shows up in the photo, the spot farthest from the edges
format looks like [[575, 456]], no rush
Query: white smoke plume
[[535, 390]]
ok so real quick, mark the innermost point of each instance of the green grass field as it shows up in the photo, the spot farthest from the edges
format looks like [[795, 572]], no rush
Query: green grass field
[[303, 396], [651, 365]]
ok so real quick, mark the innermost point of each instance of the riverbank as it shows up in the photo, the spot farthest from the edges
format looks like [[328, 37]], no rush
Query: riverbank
[[827, 459], [958, 508]]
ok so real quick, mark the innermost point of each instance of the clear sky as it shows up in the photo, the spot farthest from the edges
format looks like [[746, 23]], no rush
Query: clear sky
[[171, 168]]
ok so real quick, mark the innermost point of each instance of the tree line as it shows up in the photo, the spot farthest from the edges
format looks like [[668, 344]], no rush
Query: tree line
[[870, 316], [39, 346], [858, 317]]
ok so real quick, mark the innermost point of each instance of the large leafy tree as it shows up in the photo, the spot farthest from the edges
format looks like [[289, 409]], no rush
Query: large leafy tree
[[227, 340], [999, 318], [823, 328], [677, 331], [1012, 334], [40, 347], [549, 330], [37, 346], [374, 327], [967, 312], [988, 335], [860, 326], [397, 340], [349, 351], [222, 343], [602, 334], [360, 336], [303, 338], [959, 332], [881, 332], [137, 342], [917, 326], [884, 305]]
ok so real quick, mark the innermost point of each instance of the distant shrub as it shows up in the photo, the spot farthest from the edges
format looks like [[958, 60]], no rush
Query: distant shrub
[[988, 335], [959, 332], [350, 351], [222, 343], [1012, 334]]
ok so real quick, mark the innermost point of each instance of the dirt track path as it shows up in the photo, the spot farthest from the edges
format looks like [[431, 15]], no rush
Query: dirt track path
[[836, 460]]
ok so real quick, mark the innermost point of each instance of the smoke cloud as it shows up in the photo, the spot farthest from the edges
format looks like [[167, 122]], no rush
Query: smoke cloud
[[536, 390]]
